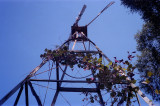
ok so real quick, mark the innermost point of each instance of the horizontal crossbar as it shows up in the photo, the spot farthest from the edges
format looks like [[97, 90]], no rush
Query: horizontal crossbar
[[67, 89], [66, 81], [72, 81], [83, 51]]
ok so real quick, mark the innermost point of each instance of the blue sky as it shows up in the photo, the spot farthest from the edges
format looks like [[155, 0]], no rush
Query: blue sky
[[28, 27]]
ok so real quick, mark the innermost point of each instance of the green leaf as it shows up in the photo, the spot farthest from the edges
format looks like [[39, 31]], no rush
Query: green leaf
[[133, 81], [89, 61], [117, 67], [100, 68], [100, 60], [84, 59], [156, 91], [107, 66], [110, 63], [128, 69], [147, 81], [124, 69], [149, 74], [130, 66], [95, 58]]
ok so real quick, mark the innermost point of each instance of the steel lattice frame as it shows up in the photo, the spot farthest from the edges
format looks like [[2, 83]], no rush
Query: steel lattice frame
[[59, 79], [79, 34]]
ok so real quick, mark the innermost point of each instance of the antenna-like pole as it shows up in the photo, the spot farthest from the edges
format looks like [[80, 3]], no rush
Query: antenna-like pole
[[101, 12]]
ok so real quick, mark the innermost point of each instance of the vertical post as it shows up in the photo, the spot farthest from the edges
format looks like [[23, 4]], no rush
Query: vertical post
[[99, 92], [100, 97], [26, 94], [84, 46], [63, 74], [89, 45], [58, 85], [57, 73], [18, 96]]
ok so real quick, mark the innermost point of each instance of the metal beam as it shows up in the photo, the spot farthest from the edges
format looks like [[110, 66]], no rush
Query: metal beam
[[21, 83], [57, 73], [67, 89], [26, 94], [83, 51], [100, 97], [65, 81], [72, 81], [18, 96], [12, 92], [57, 91], [62, 77], [55, 98], [35, 94]]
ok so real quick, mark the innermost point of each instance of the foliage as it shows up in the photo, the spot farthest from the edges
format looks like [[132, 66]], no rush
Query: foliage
[[148, 9], [112, 77], [148, 40], [149, 61]]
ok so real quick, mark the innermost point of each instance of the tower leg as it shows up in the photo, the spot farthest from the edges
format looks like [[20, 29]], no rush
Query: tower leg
[[60, 83], [18, 96], [55, 98], [26, 94], [101, 99]]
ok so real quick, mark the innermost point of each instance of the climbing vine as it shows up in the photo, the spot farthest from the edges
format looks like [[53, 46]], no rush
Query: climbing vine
[[112, 77]]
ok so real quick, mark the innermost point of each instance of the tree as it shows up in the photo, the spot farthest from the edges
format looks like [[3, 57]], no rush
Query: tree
[[148, 9], [148, 43], [149, 61]]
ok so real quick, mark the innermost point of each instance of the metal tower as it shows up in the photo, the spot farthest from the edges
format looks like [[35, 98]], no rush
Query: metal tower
[[60, 74]]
